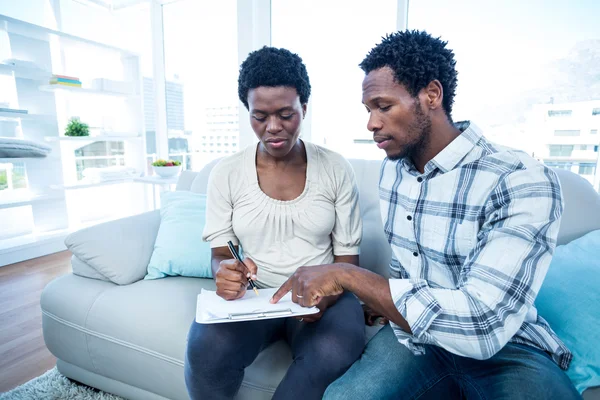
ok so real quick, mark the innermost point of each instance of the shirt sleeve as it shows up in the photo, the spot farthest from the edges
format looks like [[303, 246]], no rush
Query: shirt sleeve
[[218, 228], [500, 277], [347, 230]]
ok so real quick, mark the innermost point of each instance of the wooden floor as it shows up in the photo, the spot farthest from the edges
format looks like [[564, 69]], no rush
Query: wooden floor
[[23, 353]]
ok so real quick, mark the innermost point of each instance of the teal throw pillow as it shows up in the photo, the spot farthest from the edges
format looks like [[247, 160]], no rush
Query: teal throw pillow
[[570, 301], [179, 249]]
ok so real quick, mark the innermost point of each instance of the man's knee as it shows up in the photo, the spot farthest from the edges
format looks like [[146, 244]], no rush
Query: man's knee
[[345, 389]]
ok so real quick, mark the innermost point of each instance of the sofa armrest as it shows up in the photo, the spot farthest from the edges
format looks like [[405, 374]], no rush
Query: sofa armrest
[[119, 250]]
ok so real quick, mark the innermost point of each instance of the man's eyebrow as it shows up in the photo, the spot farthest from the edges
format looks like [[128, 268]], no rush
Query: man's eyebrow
[[373, 100]]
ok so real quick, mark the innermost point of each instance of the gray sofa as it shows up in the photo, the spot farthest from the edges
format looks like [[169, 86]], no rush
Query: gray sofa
[[112, 330]]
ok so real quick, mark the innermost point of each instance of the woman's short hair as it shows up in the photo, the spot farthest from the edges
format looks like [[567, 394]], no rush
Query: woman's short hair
[[271, 66]]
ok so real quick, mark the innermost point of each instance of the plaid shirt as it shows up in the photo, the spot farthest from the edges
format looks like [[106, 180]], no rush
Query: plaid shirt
[[472, 238]]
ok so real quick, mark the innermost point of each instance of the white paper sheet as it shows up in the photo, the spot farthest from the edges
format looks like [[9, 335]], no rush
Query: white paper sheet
[[213, 309]]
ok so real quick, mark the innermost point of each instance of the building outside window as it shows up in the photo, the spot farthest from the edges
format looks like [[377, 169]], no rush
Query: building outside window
[[550, 97], [559, 113], [202, 70], [560, 151], [587, 169]]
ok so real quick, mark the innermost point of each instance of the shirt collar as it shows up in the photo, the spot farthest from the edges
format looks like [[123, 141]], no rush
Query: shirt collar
[[447, 159]]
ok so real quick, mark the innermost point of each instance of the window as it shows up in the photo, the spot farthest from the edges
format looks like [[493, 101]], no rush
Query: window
[[559, 113], [583, 147], [336, 116], [13, 176], [560, 151], [99, 155], [556, 48], [201, 87], [564, 132], [560, 165], [593, 131], [587, 169]]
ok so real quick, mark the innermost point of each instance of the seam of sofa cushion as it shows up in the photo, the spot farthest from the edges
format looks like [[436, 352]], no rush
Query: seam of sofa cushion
[[258, 387], [131, 346], [87, 314], [113, 340]]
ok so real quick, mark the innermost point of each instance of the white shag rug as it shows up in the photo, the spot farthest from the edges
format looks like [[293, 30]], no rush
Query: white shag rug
[[54, 386]]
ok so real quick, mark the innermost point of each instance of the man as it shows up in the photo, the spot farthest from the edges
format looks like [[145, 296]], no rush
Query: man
[[472, 227]]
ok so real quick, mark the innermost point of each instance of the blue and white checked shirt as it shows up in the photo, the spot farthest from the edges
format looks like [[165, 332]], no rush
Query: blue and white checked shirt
[[472, 238]]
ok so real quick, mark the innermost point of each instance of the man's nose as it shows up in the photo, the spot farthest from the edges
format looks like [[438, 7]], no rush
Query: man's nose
[[374, 123]]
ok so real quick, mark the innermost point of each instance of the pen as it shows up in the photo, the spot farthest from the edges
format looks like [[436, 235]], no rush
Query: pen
[[236, 255]]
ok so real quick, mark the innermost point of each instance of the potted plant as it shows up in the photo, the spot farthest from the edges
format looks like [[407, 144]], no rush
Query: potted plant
[[166, 168], [77, 128]]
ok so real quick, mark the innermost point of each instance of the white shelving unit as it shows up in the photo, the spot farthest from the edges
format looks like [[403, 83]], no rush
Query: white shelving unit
[[28, 199], [26, 116], [58, 202], [24, 72], [84, 185], [84, 90], [89, 139]]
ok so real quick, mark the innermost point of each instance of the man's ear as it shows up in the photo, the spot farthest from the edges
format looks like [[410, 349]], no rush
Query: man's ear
[[304, 108], [433, 95]]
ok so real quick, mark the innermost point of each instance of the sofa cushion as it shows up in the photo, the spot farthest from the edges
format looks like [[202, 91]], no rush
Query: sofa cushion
[[582, 206], [117, 250], [179, 249], [569, 300]]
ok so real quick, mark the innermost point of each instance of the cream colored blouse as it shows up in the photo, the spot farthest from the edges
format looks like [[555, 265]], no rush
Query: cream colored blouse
[[280, 236]]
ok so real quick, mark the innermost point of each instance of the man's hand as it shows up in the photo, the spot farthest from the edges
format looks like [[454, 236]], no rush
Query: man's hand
[[232, 278], [309, 285], [371, 316]]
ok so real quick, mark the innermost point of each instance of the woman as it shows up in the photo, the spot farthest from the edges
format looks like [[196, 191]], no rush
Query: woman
[[288, 204]]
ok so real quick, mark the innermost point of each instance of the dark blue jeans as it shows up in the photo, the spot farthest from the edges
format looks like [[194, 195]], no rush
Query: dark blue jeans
[[322, 351], [388, 370]]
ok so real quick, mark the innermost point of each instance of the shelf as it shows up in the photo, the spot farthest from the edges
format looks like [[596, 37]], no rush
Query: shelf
[[36, 239], [26, 200], [31, 240], [32, 73], [157, 180], [83, 90], [18, 27], [104, 138], [92, 185], [22, 116]]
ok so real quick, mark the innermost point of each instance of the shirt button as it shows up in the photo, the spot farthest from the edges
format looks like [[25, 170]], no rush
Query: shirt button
[[419, 179], [408, 217], [416, 254]]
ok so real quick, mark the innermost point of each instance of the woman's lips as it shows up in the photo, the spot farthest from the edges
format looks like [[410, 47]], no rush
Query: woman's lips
[[276, 144]]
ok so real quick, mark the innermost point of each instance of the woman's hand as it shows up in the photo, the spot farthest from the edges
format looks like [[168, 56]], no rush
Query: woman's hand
[[371, 316], [232, 278]]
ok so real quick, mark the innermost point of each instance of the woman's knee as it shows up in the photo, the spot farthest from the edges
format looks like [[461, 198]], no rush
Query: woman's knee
[[333, 354], [208, 346]]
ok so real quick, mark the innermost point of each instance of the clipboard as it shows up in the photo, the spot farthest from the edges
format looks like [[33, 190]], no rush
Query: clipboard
[[212, 309]]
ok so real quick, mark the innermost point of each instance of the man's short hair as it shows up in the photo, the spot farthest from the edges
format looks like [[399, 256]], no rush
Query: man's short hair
[[271, 66], [417, 58]]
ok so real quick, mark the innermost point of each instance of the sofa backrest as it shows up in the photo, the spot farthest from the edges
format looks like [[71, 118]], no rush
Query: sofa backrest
[[581, 215]]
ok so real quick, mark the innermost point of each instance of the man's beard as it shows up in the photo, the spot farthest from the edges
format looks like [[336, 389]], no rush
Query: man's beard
[[422, 127]]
